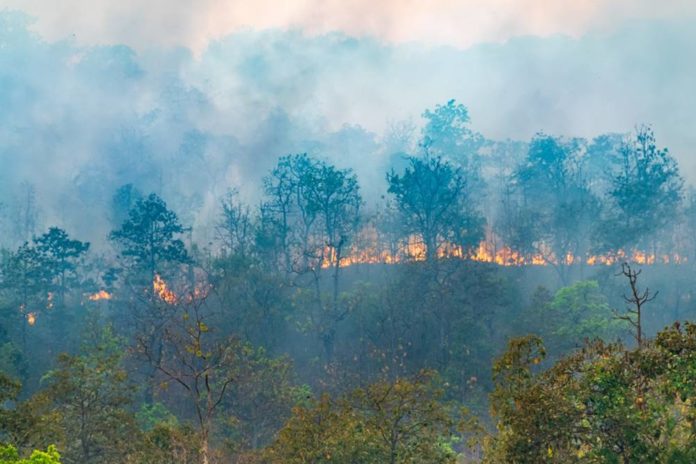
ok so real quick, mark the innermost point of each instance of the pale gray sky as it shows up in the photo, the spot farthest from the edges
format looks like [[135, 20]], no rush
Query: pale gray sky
[[461, 23]]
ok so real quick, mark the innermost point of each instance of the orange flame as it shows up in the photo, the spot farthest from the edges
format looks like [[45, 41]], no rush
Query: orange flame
[[100, 295], [369, 249], [159, 286], [31, 318]]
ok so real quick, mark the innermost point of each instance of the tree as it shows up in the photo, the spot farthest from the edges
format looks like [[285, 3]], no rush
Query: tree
[[149, 244], [92, 393], [646, 194], [635, 301], [26, 424], [235, 228], [334, 196], [286, 216], [33, 275], [409, 419], [59, 255], [149, 238], [312, 208], [601, 163], [572, 316], [603, 403], [261, 398], [447, 134], [404, 421], [555, 206], [188, 355], [313, 211], [322, 432], [26, 281], [430, 196]]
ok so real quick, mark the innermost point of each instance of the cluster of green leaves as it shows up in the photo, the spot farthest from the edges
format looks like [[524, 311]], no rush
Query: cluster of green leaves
[[573, 315], [601, 404], [9, 455]]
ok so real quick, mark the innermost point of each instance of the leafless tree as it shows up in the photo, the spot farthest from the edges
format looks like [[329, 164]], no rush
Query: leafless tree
[[635, 302]]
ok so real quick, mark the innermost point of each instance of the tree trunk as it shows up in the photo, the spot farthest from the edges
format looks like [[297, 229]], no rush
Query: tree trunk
[[205, 450]]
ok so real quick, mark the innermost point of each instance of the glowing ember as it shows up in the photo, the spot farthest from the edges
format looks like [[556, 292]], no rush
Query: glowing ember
[[31, 318], [159, 286], [100, 295]]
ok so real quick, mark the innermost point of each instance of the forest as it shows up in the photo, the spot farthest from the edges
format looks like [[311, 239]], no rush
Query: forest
[[347, 232], [496, 302]]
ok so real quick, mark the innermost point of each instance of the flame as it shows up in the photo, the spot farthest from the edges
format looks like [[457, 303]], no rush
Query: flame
[[159, 286], [31, 318], [100, 295], [369, 249]]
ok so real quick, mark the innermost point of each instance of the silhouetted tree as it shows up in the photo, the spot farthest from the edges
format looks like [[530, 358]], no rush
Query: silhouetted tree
[[555, 207], [148, 239], [60, 254], [313, 211], [447, 134], [646, 195], [235, 228], [430, 196]]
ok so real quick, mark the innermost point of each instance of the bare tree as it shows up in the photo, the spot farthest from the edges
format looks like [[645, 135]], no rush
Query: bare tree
[[635, 302]]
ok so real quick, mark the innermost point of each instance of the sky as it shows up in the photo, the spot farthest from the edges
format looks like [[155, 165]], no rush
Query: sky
[[191, 98], [459, 23]]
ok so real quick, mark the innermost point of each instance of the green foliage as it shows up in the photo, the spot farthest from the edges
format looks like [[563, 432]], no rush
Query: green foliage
[[25, 424], [151, 415], [261, 397], [404, 421], [168, 444], [602, 404], [9, 455], [92, 394], [573, 315]]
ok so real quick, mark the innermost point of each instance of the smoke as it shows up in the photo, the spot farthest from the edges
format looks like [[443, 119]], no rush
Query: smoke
[[460, 23], [78, 121]]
